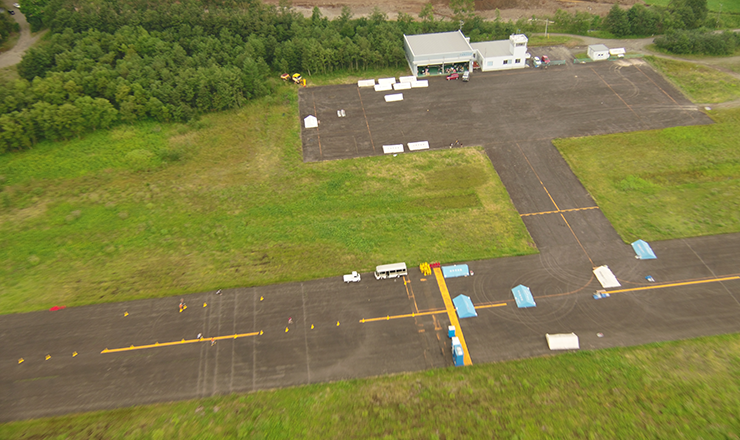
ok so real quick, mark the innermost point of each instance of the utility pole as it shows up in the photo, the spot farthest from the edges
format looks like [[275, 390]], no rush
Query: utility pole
[[718, 13]]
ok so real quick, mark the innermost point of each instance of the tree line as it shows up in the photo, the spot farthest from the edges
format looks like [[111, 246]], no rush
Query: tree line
[[111, 61], [121, 61]]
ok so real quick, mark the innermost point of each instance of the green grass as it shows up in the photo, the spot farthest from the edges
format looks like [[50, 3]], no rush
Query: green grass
[[701, 84], [557, 40], [351, 77], [150, 211], [713, 5], [674, 390], [662, 184]]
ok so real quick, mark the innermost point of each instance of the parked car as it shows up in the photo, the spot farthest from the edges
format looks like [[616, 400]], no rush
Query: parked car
[[16, 5], [11, 12], [453, 76], [545, 59], [536, 62], [353, 277], [466, 76]]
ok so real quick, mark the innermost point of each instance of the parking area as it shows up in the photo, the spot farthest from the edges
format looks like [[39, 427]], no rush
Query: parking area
[[494, 108]]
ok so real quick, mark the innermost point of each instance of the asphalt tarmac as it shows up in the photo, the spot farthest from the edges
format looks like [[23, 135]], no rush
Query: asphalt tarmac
[[117, 355]]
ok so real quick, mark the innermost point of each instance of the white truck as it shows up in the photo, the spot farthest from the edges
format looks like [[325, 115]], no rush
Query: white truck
[[354, 277]]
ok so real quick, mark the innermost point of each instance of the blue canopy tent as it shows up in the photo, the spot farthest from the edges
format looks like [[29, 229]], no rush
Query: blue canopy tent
[[464, 307], [523, 296], [643, 250], [458, 270]]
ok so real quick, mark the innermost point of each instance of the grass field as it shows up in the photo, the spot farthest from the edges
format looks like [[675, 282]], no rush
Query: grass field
[[661, 184], [713, 5], [152, 210], [674, 390], [701, 84], [553, 40]]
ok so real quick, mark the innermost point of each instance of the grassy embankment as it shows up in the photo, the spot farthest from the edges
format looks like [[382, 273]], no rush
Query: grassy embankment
[[662, 184], [703, 85], [156, 210], [674, 390], [712, 5], [553, 40]]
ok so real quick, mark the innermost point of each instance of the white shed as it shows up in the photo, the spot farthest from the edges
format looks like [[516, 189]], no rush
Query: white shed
[[598, 52], [502, 54]]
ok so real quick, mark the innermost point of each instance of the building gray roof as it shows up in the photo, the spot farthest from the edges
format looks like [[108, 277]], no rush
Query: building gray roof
[[598, 47], [487, 49], [441, 42]]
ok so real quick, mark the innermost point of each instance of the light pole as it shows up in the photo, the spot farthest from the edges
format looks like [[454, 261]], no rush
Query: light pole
[[718, 13]]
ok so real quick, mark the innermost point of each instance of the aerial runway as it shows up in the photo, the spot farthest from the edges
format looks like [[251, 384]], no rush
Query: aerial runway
[[138, 352]]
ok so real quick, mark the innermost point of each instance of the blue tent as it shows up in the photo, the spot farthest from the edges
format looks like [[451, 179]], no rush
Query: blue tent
[[464, 307], [643, 250], [458, 270], [523, 296]]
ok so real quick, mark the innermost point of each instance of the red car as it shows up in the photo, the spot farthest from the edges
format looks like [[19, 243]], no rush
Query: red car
[[545, 59], [453, 76]]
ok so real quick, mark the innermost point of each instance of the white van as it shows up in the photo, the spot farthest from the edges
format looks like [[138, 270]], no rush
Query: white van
[[466, 76]]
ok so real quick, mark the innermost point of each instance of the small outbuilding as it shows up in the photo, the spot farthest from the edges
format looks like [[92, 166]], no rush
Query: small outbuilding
[[617, 52], [598, 52]]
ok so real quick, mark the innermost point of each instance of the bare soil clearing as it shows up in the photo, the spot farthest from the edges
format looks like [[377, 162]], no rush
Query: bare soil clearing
[[508, 9]]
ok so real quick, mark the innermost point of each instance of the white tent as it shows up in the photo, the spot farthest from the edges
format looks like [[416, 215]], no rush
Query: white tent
[[562, 341], [606, 277], [310, 121]]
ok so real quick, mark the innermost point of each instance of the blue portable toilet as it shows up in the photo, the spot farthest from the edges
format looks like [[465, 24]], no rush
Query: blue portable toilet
[[458, 356], [451, 331]]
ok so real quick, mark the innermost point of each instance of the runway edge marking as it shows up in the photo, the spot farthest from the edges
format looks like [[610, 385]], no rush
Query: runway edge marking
[[452, 314]]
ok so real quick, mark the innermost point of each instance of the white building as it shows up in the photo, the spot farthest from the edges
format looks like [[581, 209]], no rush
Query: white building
[[502, 54], [438, 54], [598, 52]]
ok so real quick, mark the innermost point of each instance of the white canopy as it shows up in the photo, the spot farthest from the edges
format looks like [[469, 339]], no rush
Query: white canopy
[[606, 277], [310, 121]]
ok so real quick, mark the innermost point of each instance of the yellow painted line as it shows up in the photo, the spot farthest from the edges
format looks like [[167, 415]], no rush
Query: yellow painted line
[[452, 314], [184, 341], [487, 306], [559, 211], [687, 283], [408, 315]]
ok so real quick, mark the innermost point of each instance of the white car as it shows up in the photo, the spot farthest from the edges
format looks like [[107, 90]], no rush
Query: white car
[[354, 277], [16, 5]]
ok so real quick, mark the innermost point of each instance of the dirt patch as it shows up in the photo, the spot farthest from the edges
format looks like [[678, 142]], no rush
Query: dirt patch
[[508, 9]]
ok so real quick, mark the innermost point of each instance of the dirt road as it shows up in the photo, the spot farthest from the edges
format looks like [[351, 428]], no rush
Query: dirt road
[[14, 55]]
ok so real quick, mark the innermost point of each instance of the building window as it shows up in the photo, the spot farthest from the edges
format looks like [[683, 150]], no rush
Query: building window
[[490, 63], [520, 44], [518, 61], [506, 62]]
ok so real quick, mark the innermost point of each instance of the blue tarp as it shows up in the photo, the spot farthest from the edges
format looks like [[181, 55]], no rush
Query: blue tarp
[[643, 250], [458, 270], [464, 307], [523, 296]]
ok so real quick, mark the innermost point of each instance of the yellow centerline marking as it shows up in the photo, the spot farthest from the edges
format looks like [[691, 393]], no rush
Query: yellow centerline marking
[[687, 283], [452, 314], [184, 341], [559, 211], [487, 306], [408, 315]]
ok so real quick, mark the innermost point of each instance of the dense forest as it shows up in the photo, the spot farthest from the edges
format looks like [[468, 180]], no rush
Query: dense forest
[[109, 61]]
